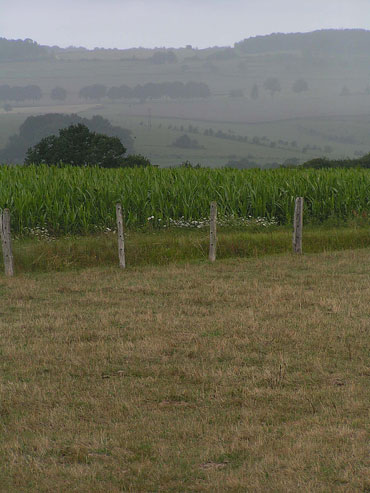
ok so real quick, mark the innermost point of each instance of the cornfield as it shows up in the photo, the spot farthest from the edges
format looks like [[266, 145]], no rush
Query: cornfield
[[72, 200]]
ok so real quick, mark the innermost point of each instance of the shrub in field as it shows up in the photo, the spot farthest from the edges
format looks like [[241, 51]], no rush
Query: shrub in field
[[362, 162], [185, 142], [135, 160], [58, 93]]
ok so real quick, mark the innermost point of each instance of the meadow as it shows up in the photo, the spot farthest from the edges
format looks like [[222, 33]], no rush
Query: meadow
[[69, 200], [244, 375]]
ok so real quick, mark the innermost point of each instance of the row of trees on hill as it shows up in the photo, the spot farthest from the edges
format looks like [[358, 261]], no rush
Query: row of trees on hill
[[273, 86], [19, 50], [324, 42], [318, 163], [163, 57], [151, 90], [20, 93], [28, 93], [173, 90]]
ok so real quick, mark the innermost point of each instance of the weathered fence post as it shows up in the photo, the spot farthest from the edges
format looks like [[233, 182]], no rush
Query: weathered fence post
[[121, 240], [6, 242], [298, 225], [213, 232]]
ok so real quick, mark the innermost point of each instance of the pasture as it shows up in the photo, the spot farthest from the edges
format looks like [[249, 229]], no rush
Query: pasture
[[245, 375]]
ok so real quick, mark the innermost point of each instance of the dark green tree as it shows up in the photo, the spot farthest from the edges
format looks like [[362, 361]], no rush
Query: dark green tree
[[96, 91], [77, 146], [35, 128], [272, 85], [136, 160], [300, 85], [255, 92], [58, 93], [185, 142]]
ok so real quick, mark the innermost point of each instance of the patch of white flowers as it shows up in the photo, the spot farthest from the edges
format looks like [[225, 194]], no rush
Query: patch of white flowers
[[42, 233], [39, 233], [221, 221]]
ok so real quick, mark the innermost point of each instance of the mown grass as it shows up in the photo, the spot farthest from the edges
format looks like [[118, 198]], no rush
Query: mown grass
[[244, 375], [174, 246]]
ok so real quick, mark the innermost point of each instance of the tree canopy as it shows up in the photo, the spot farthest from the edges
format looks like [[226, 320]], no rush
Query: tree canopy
[[77, 146], [185, 142], [300, 85], [20, 93], [162, 57], [322, 162], [324, 42], [58, 93], [272, 85], [18, 49], [96, 91], [150, 90], [34, 128]]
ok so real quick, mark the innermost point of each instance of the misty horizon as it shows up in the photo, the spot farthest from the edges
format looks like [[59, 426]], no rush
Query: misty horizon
[[155, 24], [231, 45]]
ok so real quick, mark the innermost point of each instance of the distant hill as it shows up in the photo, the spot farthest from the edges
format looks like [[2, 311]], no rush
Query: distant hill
[[19, 50], [326, 42], [329, 42]]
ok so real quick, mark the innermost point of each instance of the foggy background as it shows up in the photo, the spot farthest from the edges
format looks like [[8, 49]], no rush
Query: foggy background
[[203, 81], [171, 23]]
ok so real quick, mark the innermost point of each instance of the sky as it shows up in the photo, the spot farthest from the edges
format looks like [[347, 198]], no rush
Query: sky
[[171, 23]]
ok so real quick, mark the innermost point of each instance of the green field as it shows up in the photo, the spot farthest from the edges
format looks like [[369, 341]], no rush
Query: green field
[[319, 121], [156, 142], [82, 200]]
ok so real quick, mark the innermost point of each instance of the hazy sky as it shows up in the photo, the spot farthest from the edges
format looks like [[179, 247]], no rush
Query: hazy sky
[[150, 23]]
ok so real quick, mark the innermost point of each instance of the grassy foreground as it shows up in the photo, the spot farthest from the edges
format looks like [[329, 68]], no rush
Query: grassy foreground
[[175, 245], [244, 375]]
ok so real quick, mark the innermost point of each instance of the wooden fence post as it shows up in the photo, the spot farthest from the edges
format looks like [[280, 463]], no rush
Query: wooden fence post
[[298, 225], [121, 240], [6, 242], [213, 232]]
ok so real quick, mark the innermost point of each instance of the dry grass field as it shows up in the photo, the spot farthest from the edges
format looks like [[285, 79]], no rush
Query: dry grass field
[[241, 376]]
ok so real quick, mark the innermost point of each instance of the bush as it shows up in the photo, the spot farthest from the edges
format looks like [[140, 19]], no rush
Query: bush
[[322, 162], [136, 160], [185, 142]]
